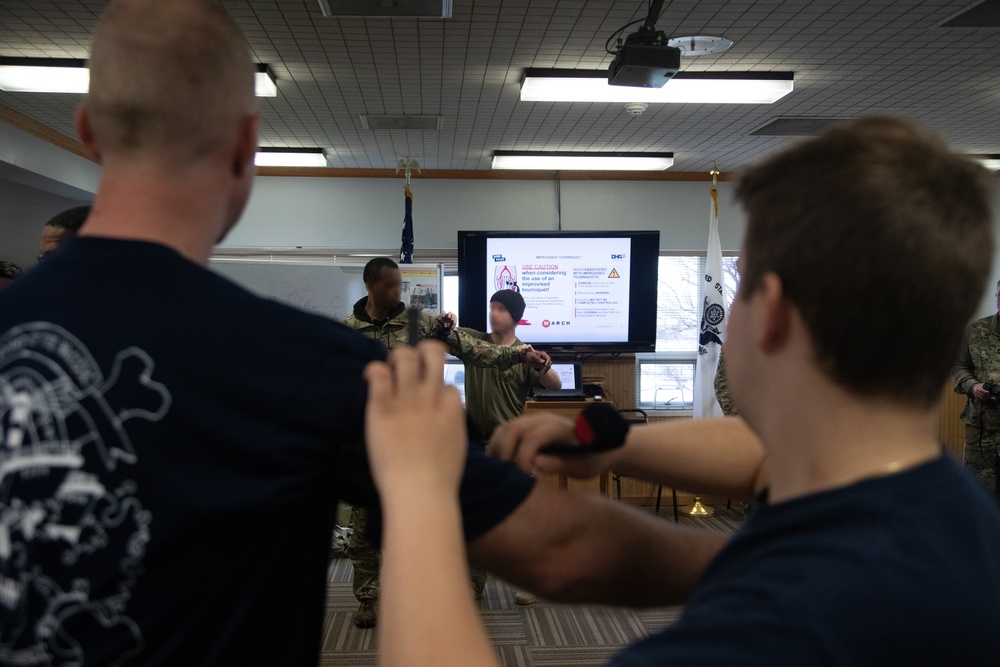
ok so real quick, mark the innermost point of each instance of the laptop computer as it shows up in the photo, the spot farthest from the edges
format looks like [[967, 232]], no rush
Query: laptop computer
[[572, 385], [454, 375]]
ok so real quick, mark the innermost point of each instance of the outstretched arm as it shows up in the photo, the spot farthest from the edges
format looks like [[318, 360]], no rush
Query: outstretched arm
[[583, 548], [718, 456], [470, 349], [464, 344], [580, 547], [428, 618]]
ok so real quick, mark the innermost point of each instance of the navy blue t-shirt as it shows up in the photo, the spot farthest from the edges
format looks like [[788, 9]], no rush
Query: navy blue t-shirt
[[898, 570], [172, 450]]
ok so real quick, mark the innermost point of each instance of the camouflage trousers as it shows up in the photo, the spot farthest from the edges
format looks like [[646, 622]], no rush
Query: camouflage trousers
[[478, 580], [367, 560], [982, 457]]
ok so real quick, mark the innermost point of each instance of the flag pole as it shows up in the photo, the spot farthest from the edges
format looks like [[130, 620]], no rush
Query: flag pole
[[697, 509], [407, 164]]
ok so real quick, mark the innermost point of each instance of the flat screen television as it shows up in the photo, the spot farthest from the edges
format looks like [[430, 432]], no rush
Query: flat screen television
[[583, 291]]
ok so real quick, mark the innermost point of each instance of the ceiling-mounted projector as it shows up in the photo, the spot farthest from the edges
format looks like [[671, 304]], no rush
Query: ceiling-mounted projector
[[644, 64], [644, 59]]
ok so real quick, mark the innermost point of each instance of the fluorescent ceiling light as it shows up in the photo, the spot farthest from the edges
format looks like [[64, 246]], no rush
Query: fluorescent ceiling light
[[290, 157], [988, 161], [554, 161], [568, 85], [44, 75], [66, 75], [264, 82]]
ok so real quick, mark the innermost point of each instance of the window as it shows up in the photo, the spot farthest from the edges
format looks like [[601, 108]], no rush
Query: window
[[449, 297], [666, 379]]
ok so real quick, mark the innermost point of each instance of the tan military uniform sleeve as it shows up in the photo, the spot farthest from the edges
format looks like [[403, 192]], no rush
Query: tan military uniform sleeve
[[429, 327], [467, 345], [964, 370], [722, 389]]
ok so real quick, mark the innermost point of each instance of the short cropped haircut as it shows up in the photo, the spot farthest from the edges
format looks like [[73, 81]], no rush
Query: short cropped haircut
[[9, 269], [71, 219], [374, 267], [168, 79], [881, 237]]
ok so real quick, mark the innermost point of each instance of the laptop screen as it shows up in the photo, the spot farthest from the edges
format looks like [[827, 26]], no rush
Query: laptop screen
[[568, 374], [454, 374]]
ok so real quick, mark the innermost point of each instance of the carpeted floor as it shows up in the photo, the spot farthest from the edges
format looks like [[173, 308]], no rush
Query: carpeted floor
[[540, 635]]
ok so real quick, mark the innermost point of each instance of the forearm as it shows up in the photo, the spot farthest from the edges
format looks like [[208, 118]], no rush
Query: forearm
[[579, 547], [550, 380], [427, 613], [481, 353], [965, 376], [717, 456]]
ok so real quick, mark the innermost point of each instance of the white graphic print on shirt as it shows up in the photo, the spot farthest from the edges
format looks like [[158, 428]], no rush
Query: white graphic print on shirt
[[67, 506]]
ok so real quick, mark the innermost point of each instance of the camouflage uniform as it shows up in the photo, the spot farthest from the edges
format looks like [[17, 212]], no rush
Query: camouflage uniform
[[722, 389], [393, 332], [980, 362]]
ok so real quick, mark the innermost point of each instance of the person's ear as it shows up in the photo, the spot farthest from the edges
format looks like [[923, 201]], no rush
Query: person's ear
[[776, 314], [86, 132], [246, 145]]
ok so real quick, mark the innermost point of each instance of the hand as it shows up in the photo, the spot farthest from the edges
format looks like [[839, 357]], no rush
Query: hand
[[520, 440], [448, 321], [979, 392], [414, 424], [538, 360]]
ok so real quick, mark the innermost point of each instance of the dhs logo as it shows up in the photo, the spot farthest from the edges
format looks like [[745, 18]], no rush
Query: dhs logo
[[555, 323], [499, 258], [621, 256]]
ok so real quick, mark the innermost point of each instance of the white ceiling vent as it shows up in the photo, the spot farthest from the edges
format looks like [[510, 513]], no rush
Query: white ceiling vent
[[438, 9], [373, 122]]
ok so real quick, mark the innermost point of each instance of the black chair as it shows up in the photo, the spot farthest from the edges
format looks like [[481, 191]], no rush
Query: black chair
[[637, 417]]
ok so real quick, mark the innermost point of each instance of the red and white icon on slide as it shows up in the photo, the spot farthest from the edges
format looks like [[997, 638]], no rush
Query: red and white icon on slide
[[505, 277], [546, 323]]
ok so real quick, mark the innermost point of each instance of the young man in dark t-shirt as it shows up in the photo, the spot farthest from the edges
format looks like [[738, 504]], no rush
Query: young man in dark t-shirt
[[865, 254]]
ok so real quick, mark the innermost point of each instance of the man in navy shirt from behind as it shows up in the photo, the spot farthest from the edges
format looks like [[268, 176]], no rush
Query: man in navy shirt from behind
[[172, 447]]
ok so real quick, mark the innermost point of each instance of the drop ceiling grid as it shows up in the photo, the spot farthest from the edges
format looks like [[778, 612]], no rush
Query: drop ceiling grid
[[850, 58]]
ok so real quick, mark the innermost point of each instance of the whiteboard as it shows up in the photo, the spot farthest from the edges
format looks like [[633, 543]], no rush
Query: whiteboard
[[325, 287]]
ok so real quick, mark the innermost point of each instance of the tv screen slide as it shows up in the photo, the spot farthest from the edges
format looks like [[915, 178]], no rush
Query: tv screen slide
[[581, 289]]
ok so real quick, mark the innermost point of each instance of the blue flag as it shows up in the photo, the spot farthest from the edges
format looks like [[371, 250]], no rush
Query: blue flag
[[406, 249]]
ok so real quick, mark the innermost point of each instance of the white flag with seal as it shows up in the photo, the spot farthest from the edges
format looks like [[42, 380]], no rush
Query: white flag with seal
[[712, 331]]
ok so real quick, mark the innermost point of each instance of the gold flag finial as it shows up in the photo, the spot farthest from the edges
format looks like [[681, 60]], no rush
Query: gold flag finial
[[408, 165], [715, 174]]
